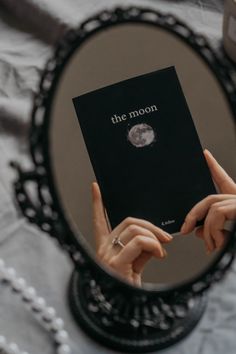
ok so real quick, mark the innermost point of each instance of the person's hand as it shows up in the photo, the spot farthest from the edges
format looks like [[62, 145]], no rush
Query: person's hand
[[216, 209], [138, 241]]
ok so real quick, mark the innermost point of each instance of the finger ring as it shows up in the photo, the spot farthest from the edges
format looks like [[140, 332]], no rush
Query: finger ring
[[116, 241]]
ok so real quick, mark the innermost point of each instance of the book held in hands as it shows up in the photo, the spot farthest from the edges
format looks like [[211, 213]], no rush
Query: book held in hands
[[144, 149]]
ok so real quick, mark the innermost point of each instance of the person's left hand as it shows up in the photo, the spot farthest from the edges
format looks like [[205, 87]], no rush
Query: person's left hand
[[216, 209], [138, 241]]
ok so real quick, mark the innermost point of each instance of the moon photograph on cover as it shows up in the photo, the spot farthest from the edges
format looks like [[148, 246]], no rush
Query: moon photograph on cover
[[141, 135]]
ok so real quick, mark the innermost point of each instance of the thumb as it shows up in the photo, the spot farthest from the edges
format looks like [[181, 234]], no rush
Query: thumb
[[99, 220], [223, 181]]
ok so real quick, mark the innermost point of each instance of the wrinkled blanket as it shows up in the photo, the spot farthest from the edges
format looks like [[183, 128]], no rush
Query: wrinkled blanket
[[28, 31]]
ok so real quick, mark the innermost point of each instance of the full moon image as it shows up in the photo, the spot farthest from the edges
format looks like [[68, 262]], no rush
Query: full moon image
[[141, 135]]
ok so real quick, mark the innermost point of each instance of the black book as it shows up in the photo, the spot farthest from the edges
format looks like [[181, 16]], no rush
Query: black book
[[144, 149]]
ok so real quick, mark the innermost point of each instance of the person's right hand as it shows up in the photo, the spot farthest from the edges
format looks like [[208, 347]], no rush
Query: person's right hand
[[139, 241], [216, 209]]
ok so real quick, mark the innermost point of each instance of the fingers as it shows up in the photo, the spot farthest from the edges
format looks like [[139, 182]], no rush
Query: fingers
[[200, 234], [128, 222], [221, 178], [99, 220], [200, 210], [140, 244], [133, 230], [216, 219], [208, 237], [134, 249], [140, 262], [218, 238], [213, 231]]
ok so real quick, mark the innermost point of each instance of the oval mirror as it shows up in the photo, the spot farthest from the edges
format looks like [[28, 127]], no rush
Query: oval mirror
[[111, 55]]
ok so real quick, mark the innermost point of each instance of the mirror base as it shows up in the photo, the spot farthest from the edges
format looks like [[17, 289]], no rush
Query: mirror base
[[107, 333]]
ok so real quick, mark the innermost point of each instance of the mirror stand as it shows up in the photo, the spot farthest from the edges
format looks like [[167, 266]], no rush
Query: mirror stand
[[146, 327]]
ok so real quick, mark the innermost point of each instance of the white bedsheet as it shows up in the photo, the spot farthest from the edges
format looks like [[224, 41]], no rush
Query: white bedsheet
[[28, 30]]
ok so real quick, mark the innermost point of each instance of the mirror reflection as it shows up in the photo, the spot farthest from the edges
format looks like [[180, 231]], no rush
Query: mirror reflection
[[154, 258]]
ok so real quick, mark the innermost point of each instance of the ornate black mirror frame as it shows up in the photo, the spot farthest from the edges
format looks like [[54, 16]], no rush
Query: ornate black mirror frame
[[149, 320]]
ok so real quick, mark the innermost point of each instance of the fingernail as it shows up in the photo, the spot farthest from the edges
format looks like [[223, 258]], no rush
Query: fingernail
[[162, 253], [169, 236]]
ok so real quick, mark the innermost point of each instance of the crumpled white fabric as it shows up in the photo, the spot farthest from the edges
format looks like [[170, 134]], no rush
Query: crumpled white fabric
[[28, 31]]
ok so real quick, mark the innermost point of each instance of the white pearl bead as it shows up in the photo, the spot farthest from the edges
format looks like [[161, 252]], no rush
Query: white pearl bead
[[63, 349], [39, 304], [49, 313], [9, 274], [29, 293], [19, 284], [13, 348], [61, 337], [57, 324]]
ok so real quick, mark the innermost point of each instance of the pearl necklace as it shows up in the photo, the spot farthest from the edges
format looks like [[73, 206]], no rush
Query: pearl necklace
[[37, 305]]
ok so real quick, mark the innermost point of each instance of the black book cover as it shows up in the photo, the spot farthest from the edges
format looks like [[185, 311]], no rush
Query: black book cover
[[144, 149]]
